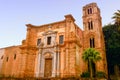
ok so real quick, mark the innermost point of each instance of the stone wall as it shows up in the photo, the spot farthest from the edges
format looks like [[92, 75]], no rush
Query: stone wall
[[11, 61]]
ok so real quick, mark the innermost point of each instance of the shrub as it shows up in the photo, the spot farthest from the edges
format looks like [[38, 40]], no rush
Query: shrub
[[100, 74], [85, 75]]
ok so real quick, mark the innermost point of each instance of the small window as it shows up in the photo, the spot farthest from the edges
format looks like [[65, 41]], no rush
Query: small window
[[14, 56], [61, 38], [7, 59], [48, 40], [38, 42], [1, 57]]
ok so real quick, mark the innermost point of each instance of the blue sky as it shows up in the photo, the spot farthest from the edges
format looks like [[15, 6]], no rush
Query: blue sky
[[14, 14]]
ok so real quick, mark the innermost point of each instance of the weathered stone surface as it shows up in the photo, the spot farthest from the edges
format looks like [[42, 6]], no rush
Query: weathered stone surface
[[66, 58]]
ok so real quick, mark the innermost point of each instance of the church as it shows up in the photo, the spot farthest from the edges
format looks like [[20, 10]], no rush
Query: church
[[55, 49]]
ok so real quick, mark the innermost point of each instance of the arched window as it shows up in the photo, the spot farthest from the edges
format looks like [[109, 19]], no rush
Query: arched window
[[90, 25], [92, 43], [90, 10]]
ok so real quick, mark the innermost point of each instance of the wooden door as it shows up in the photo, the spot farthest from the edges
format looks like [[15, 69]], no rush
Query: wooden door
[[48, 67]]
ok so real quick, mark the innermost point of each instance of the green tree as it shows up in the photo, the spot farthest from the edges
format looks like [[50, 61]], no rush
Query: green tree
[[116, 17], [91, 56], [112, 45]]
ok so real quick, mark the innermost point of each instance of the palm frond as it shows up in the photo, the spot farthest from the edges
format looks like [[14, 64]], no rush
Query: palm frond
[[116, 17]]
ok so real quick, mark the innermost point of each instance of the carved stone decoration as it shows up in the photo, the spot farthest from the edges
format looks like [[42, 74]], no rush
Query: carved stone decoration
[[47, 55]]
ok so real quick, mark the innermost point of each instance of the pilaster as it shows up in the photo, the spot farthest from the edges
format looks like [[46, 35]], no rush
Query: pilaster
[[27, 64]]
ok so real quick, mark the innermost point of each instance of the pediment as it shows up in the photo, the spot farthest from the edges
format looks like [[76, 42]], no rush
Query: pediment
[[49, 32]]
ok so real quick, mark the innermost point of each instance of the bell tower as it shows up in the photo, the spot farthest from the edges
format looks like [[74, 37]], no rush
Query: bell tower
[[93, 35]]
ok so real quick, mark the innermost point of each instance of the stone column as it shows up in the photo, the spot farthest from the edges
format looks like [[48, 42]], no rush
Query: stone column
[[37, 70], [54, 65], [58, 66], [42, 65]]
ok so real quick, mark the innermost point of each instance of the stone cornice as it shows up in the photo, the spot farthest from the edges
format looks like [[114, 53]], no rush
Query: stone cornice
[[90, 4], [35, 26], [10, 47], [28, 47], [69, 17]]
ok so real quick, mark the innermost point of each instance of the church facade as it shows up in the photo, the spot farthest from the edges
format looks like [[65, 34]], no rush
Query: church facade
[[56, 49]]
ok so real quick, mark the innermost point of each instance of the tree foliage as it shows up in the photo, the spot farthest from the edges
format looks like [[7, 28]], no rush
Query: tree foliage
[[116, 17], [112, 44], [91, 56]]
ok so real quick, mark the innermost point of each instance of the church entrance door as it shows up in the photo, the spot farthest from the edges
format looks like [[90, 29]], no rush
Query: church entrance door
[[48, 67]]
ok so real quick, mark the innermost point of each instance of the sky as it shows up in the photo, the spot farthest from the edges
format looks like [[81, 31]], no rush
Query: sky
[[15, 14]]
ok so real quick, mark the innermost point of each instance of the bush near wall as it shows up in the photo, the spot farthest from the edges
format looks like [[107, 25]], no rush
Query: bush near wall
[[85, 75], [100, 74]]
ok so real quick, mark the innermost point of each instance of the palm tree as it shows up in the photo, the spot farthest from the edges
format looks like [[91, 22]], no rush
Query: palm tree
[[116, 17], [91, 56]]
